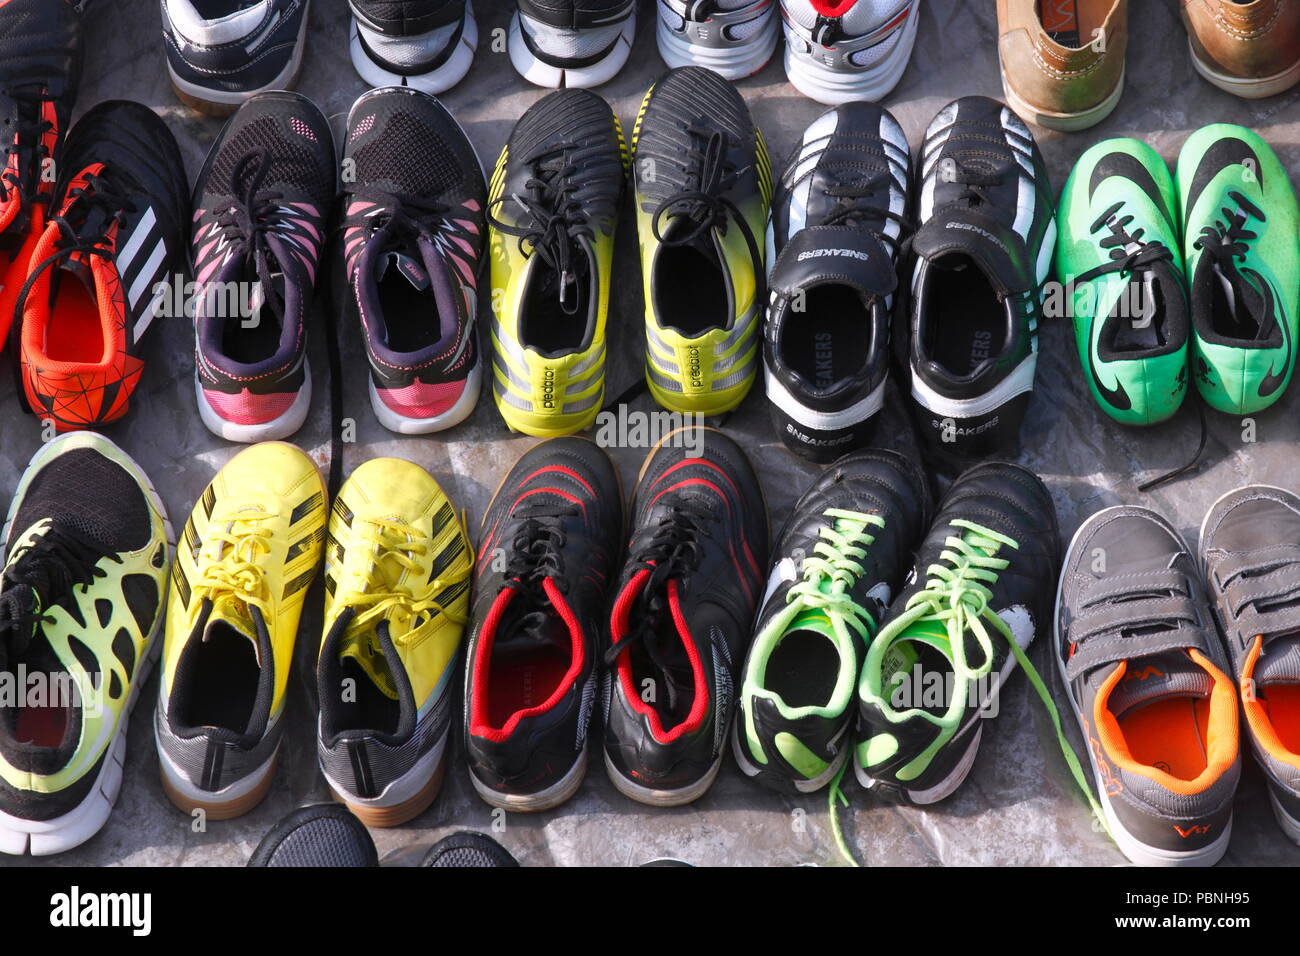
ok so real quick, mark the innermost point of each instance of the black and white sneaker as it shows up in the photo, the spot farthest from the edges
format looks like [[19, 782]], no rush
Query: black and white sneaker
[[221, 52], [985, 235], [833, 241], [567, 43], [425, 44]]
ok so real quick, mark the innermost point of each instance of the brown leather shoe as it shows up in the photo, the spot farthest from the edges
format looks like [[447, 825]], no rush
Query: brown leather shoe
[[1250, 49], [1063, 60]]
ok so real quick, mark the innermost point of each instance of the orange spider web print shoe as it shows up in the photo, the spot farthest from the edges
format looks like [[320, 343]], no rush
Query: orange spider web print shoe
[[110, 260]]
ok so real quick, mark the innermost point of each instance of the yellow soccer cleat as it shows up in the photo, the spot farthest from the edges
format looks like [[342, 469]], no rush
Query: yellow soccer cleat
[[553, 206], [703, 184], [245, 561], [397, 564]]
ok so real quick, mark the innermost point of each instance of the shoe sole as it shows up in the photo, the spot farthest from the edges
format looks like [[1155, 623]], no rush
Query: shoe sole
[[834, 89], [663, 798], [435, 81], [459, 411], [46, 837], [1133, 848], [233, 801], [399, 804], [278, 428], [555, 77], [548, 799], [1063, 122], [733, 63], [216, 103], [1249, 88]]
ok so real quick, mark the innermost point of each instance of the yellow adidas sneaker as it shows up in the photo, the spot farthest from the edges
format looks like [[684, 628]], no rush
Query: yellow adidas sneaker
[[397, 564], [703, 184], [245, 561], [552, 210]]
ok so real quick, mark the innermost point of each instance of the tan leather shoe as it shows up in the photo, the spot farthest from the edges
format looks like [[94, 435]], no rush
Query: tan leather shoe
[[1063, 60], [1250, 49]]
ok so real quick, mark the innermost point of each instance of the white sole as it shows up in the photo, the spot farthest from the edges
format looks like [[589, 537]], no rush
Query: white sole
[[1064, 122], [274, 430], [453, 416], [663, 798], [234, 100], [1132, 848], [544, 74], [554, 795], [1248, 89], [833, 88], [440, 80], [47, 837], [733, 63]]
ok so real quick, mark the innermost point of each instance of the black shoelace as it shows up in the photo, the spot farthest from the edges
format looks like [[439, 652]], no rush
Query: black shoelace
[[26, 141], [83, 226], [673, 553], [975, 181], [253, 218], [1128, 251], [55, 564], [856, 206], [557, 218], [706, 207], [536, 553], [407, 218]]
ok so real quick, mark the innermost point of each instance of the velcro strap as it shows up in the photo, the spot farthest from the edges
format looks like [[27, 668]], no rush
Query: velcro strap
[[1135, 613], [1275, 557], [1114, 586], [1100, 651]]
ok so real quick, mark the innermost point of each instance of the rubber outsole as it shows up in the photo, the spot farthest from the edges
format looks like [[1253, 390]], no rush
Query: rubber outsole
[[544, 74], [435, 81]]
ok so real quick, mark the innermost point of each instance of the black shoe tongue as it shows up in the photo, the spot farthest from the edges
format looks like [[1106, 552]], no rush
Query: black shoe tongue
[[1160, 676], [1279, 663], [959, 233], [835, 254]]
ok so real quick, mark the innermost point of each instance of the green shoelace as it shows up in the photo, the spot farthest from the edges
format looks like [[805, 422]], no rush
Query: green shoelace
[[957, 595], [835, 566]]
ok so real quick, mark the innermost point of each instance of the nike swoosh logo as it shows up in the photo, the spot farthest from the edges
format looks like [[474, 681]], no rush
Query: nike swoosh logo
[[1271, 382], [1116, 397], [1128, 167], [1226, 152]]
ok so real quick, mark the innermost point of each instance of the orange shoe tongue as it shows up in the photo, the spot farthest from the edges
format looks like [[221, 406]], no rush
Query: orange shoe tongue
[[1160, 676]]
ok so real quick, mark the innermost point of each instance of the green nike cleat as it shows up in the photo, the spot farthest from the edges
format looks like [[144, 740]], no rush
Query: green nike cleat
[[1243, 259], [1120, 258]]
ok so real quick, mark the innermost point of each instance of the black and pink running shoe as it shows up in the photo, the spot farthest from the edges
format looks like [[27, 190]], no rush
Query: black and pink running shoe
[[261, 204], [412, 246], [680, 624]]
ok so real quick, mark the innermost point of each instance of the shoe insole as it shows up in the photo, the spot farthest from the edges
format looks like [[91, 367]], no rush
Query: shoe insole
[[1282, 704], [41, 726], [965, 322], [802, 669], [410, 314], [549, 326], [1230, 315], [664, 680], [523, 679], [1074, 23], [372, 709], [74, 332], [1147, 331], [829, 341], [690, 289], [220, 682], [1169, 734]]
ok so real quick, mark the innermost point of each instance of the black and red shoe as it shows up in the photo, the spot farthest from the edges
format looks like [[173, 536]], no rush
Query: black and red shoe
[[40, 65], [547, 551], [681, 620]]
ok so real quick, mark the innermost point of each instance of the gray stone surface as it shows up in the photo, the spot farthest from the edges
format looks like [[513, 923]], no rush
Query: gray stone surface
[[1019, 806]]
